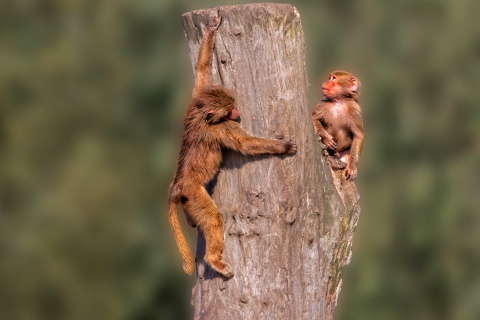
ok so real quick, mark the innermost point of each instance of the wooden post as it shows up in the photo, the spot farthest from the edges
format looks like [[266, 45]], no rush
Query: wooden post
[[289, 221]]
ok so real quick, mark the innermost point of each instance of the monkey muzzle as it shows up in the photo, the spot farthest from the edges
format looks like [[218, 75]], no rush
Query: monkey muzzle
[[234, 114]]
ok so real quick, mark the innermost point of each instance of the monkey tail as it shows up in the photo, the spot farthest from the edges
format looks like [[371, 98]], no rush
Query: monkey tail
[[188, 262]]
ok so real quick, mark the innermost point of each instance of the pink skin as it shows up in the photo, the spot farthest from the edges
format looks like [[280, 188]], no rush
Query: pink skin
[[329, 88], [234, 114]]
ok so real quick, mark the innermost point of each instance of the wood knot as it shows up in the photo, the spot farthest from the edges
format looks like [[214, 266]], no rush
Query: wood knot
[[222, 285], [289, 211], [223, 59], [255, 198], [243, 298]]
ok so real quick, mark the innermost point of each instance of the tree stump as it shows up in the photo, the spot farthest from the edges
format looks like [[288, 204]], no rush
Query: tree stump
[[289, 221]]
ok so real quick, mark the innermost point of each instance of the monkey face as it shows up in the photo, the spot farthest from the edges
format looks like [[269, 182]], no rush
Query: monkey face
[[333, 87], [217, 104], [330, 88], [340, 83], [234, 114], [224, 113]]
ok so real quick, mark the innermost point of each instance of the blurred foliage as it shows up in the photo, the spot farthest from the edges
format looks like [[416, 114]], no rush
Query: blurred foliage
[[92, 95]]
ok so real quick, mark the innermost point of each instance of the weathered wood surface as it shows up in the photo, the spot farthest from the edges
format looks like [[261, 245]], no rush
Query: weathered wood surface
[[288, 222]]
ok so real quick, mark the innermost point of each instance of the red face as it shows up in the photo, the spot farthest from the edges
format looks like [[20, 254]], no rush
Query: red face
[[331, 88], [234, 114]]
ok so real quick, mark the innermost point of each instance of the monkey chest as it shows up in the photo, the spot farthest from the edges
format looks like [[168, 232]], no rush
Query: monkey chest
[[203, 161], [335, 120]]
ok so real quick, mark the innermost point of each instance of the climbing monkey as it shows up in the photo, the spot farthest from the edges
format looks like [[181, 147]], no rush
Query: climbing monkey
[[338, 122], [210, 126]]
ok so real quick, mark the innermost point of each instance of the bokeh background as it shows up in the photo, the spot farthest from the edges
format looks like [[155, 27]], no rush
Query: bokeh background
[[92, 97]]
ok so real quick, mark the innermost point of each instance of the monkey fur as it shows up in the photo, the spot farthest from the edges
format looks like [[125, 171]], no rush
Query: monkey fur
[[210, 126], [338, 122]]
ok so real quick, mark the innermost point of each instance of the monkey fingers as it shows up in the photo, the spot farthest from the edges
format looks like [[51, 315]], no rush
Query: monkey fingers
[[223, 268], [214, 19], [350, 173], [332, 145], [329, 142], [291, 148]]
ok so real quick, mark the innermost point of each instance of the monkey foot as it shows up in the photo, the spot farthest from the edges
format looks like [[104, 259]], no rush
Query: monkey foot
[[223, 268], [336, 163]]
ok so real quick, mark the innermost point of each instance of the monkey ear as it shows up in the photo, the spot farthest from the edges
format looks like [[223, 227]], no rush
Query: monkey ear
[[354, 85]]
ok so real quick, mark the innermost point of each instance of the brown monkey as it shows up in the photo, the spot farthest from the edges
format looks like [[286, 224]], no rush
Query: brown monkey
[[338, 121], [210, 126]]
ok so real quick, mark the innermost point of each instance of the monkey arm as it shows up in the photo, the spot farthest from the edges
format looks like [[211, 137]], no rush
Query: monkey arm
[[355, 150], [238, 140], [322, 133], [356, 147], [205, 53], [358, 135], [326, 138]]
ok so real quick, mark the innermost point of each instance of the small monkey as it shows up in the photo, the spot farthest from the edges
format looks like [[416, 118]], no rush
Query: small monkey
[[338, 121], [210, 126]]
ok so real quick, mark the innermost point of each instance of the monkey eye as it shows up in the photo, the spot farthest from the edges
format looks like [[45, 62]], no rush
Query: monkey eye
[[209, 115], [333, 78]]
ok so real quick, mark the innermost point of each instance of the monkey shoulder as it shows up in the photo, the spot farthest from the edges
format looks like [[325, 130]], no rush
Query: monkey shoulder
[[230, 126], [319, 109], [322, 104], [354, 107]]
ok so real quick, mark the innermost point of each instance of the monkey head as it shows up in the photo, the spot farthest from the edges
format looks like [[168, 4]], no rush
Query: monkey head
[[341, 84], [219, 105], [219, 115]]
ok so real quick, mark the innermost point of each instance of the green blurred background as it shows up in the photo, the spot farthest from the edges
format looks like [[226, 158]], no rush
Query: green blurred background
[[92, 97]]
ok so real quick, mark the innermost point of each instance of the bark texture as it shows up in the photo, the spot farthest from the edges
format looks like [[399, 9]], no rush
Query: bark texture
[[289, 221]]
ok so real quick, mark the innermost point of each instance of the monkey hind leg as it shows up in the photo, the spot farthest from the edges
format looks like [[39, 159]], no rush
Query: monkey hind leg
[[190, 219], [187, 257], [336, 163], [205, 212]]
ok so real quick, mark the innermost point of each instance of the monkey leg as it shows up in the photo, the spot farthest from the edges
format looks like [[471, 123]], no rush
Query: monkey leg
[[335, 163], [334, 159], [206, 216], [190, 219]]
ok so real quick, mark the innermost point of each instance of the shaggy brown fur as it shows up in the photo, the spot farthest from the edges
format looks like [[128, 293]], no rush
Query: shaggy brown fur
[[338, 122], [209, 127]]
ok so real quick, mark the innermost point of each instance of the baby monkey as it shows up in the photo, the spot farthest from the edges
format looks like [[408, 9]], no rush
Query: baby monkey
[[210, 127], [338, 122]]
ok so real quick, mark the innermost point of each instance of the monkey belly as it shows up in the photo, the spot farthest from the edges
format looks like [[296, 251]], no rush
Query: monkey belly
[[342, 139], [199, 171]]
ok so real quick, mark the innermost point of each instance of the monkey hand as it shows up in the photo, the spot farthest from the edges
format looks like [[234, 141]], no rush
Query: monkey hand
[[329, 142], [351, 172], [214, 19], [290, 148]]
